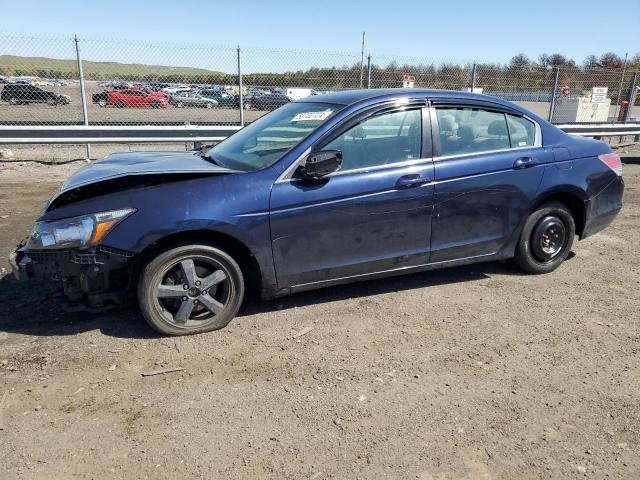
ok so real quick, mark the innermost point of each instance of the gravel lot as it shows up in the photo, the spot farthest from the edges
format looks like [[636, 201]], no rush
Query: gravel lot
[[477, 372]]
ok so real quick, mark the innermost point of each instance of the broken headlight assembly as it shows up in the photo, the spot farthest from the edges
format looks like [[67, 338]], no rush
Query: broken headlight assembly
[[75, 232]]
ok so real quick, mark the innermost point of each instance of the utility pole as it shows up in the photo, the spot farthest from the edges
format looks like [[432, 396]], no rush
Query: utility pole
[[362, 60]]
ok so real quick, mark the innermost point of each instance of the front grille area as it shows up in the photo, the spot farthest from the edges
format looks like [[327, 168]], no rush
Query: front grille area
[[59, 256], [115, 251]]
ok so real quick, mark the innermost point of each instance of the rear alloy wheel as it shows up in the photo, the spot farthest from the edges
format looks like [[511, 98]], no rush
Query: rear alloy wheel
[[190, 289], [102, 103], [179, 105], [155, 104], [120, 104], [13, 101], [546, 239], [209, 105]]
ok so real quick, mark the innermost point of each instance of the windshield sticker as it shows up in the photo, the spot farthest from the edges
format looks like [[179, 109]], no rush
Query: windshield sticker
[[311, 116]]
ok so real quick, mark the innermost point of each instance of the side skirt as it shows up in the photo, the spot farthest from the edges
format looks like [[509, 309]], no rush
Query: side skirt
[[395, 272]]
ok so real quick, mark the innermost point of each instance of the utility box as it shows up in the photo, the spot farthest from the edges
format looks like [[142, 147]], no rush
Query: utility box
[[581, 109]]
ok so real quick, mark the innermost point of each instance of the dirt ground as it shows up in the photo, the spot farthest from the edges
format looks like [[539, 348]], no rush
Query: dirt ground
[[477, 372]]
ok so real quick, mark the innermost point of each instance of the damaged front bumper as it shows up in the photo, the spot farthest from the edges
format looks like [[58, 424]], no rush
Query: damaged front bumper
[[97, 276]]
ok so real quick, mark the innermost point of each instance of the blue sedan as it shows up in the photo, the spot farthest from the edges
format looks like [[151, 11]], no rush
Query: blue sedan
[[335, 188]]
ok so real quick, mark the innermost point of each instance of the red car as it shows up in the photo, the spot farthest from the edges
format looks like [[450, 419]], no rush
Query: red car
[[132, 97]]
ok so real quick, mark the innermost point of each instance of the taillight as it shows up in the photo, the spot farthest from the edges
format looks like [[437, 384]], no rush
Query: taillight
[[612, 160]]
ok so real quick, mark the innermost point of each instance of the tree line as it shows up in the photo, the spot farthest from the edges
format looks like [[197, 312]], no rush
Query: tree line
[[519, 74]]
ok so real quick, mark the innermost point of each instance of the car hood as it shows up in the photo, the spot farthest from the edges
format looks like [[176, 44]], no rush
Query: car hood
[[126, 164]]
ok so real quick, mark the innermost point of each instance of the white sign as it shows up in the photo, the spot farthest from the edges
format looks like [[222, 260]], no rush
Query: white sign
[[311, 116], [408, 81], [599, 94]]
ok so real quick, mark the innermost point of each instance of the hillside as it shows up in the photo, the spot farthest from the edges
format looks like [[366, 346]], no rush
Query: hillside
[[52, 67]]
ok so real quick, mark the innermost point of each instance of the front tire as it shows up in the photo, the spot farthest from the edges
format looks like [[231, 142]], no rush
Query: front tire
[[190, 289], [546, 239]]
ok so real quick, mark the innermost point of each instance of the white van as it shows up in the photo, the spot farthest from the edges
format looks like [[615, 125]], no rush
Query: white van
[[298, 93]]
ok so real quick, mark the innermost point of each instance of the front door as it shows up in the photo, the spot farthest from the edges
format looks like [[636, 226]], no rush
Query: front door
[[372, 215]]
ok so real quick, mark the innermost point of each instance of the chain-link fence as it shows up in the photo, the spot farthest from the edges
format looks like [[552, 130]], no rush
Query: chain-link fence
[[136, 83]]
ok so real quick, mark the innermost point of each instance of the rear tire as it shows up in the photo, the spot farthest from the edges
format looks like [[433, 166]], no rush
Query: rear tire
[[190, 289], [546, 239]]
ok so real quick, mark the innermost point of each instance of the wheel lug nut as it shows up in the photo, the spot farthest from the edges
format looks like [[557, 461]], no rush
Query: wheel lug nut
[[198, 282], [204, 292], [184, 299], [185, 286], [195, 302]]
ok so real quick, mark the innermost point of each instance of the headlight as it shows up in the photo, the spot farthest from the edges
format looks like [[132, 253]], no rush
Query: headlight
[[75, 232]]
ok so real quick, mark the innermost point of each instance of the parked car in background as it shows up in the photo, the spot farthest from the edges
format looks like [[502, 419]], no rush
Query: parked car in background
[[24, 94], [137, 98], [191, 99], [101, 98], [267, 102], [120, 85], [158, 87], [176, 88], [223, 98]]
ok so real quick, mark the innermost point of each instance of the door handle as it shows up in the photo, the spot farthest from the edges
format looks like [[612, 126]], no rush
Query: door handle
[[524, 162], [412, 180]]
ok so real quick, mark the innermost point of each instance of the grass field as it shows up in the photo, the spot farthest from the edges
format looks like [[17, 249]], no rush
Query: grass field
[[68, 69]]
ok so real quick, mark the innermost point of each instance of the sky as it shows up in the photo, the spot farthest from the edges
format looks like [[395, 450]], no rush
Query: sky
[[464, 30]]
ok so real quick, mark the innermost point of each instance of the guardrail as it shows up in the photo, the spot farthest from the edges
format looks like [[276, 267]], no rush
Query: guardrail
[[81, 134], [601, 129]]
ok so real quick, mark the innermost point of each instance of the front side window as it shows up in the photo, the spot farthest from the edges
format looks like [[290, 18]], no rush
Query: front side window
[[263, 142], [471, 130], [380, 140]]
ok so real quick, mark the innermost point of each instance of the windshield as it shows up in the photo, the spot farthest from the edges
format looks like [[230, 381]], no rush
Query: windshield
[[263, 142]]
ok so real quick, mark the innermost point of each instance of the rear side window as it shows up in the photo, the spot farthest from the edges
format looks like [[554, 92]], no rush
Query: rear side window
[[522, 131], [471, 130]]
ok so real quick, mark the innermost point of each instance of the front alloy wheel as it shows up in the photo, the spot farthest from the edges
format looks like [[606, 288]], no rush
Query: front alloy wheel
[[190, 289]]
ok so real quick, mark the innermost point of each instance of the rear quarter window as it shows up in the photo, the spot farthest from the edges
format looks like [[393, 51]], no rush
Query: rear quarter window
[[522, 131]]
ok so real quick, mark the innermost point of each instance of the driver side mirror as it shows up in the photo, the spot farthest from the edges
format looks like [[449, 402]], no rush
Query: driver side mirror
[[320, 164]]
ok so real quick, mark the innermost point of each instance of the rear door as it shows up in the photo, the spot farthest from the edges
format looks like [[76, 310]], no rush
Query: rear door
[[487, 163], [372, 215]]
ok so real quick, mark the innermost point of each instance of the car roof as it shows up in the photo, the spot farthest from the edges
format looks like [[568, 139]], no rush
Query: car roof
[[349, 97]]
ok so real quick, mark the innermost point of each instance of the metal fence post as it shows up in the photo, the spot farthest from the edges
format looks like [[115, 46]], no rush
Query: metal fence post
[[554, 92], [369, 71], [632, 96], [240, 102], [473, 76], [83, 97]]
